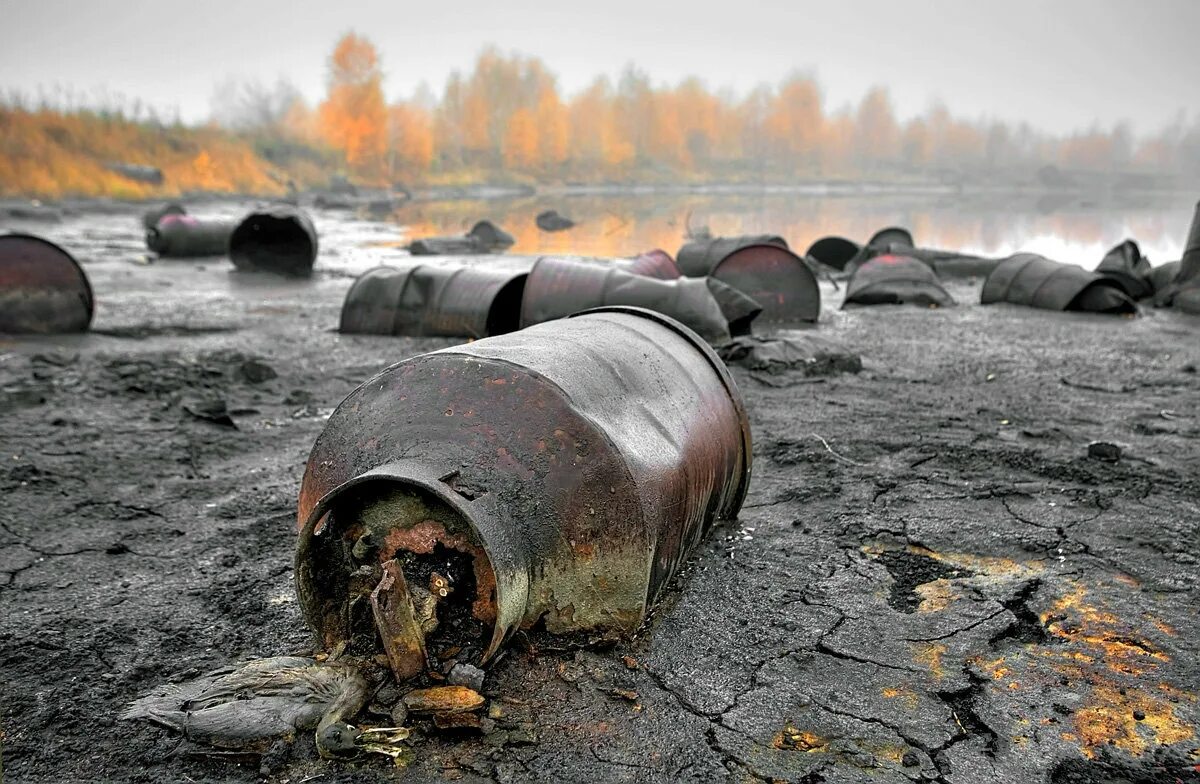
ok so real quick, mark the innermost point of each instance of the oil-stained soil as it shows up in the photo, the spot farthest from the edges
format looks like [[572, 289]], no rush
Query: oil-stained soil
[[932, 580]]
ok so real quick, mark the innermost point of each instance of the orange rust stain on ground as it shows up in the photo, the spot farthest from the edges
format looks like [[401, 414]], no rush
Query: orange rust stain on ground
[[937, 595], [1109, 719], [902, 693], [790, 738], [929, 654]]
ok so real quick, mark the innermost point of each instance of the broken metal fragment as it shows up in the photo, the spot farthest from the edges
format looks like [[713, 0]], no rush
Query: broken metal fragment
[[762, 268], [552, 476], [1037, 282], [895, 280], [43, 290], [279, 239]]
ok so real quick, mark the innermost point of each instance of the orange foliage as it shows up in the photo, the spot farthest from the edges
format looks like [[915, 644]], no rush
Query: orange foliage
[[353, 117], [411, 138], [521, 141]]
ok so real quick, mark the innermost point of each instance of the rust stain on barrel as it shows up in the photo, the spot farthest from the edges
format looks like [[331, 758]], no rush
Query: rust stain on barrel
[[43, 290]]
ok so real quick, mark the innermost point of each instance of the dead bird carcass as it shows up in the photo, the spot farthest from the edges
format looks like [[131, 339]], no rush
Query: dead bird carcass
[[761, 267], [557, 478], [43, 290]]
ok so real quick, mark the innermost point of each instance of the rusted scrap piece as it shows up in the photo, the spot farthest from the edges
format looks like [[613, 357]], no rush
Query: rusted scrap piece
[[1128, 268], [43, 290], [895, 280], [558, 287], [186, 236], [1037, 282], [402, 635], [451, 300], [445, 700], [761, 267], [562, 474], [1183, 291], [151, 217], [484, 237], [279, 239]]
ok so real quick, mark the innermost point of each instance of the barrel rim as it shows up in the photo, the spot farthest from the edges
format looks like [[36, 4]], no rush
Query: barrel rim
[[90, 298]]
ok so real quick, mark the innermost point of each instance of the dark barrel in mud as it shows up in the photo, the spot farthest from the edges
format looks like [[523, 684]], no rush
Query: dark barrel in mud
[[556, 477], [761, 267], [279, 239], [891, 279], [1038, 282], [558, 287], [835, 252], [186, 236], [445, 300], [43, 290], [152, 216]]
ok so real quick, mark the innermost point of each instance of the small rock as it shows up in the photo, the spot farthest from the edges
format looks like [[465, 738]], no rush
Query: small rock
[[910, 759], [254, 372], [1104, 450], [212, 410], [443, 699], [467, 675], [399, 713], [1138, 715], [458, 722], [117, 548], [298, 397]]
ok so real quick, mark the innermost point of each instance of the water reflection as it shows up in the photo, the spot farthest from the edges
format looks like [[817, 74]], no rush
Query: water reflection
[[1066, 229]]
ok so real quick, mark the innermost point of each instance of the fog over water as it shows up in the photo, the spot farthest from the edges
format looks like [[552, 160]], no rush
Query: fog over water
[[1059, 65]]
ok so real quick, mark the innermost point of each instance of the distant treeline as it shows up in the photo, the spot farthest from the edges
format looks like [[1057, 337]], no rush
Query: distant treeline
[[508, 120]]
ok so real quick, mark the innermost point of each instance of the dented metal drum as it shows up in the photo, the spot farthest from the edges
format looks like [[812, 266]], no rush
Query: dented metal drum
[[558, 287], [569, 468], [43, 290], [185, 236], [445, 300], [653, 264], [281, 239], [762, 268], [895, 280], [835, 252], [1037, 282], [151, 217]]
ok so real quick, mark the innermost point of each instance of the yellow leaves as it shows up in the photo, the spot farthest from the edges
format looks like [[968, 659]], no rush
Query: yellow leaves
[[521, 141]]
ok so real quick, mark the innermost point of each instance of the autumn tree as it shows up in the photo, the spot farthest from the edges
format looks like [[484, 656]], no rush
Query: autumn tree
[[353, 117], [520, 146], [410, 139]]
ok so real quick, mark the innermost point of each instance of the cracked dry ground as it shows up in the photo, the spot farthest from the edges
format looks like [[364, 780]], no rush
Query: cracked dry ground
[[931, 581]]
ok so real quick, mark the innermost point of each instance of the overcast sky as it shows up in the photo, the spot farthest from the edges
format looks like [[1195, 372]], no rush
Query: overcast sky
[[1060, 64]]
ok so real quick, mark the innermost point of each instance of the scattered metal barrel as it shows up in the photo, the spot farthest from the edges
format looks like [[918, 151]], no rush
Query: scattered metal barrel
[[835, 252], [1037, 282], [151, 217], [43, 290], [655, 263], [559, 287], [445, 300], [891, 237], [186, 236], [1128, 268], [762, 268], [280, 239], [1183, 291], [551, 220], [949, 263], [551, 477], [484, 237], [1161, 278], [895, 280]]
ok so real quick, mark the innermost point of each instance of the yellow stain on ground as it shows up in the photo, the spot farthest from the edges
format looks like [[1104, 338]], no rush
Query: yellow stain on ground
[[937, 595], [902, 693], [992, 566], [790, 738], [929, 655], [1133, 721]]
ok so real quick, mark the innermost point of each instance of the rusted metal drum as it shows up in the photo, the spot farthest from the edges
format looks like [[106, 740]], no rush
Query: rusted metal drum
[[770, 274], [1183, 291], [835, 252], [444, 300], [653, 264], [574, 465], [950, 263], [558, 287], [1037, 282], [891, 237], [1128, 268], [185, 236], [280, 239], [151, 217], [895, 280], [698, 257], [43, 290]]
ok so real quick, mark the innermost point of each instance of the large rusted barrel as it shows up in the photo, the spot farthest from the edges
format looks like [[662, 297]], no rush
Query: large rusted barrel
[[280, 239], [186, 236], [558, 287], [895, 280], [444, 300], [152, 216], [655, 263], [43, 290], [1037, 282], [763, 269], [561, 475]]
